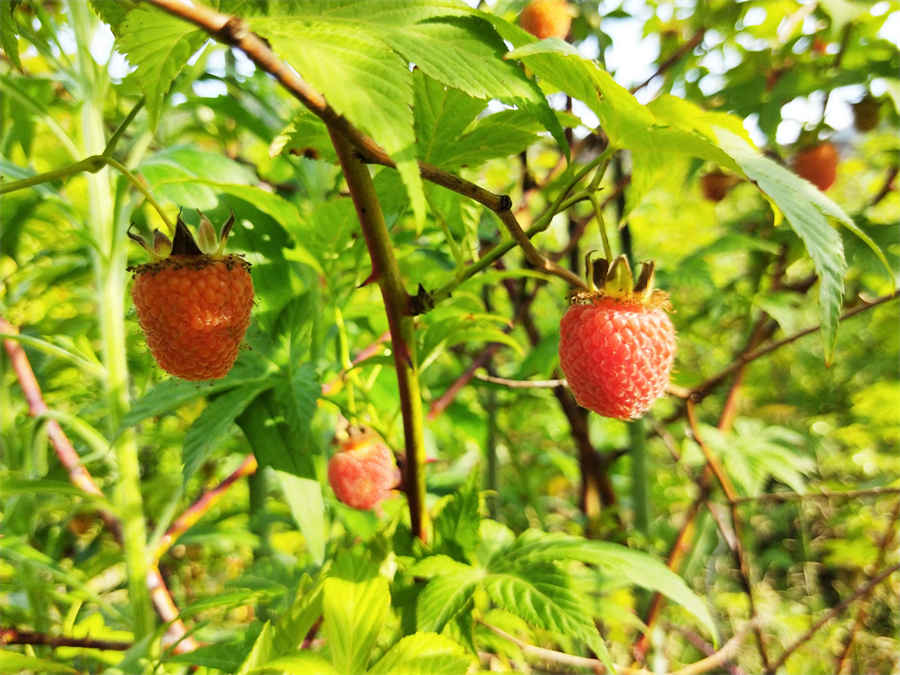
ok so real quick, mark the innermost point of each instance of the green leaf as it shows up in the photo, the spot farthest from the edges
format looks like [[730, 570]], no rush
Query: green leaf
[[502, 134], [260, 653], [634, 566], [14, 662], [210, 427], [305, 135], [171, 394], [458, 520], [292, 626], [304, 497], [423, 654], [360, 76], [266, 434], [10, 486], [355, 612], [298, 395], [445, 595], [804, 208], [18, 552], [8, 40], [442, 114], [892, 86], [159, 46], [113, 12], [302, 663], [465, 53], [541, 594]]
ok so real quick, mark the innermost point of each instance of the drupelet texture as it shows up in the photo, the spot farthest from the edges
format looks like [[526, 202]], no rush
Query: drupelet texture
[[194, 312], [616, 355]]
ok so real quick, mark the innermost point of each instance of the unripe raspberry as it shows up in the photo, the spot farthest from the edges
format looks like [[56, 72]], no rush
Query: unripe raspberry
[[547, 18], [363, 471]]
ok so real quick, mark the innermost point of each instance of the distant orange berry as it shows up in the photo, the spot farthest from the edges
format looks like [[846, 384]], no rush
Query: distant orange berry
[[547, 18], [817, 164]]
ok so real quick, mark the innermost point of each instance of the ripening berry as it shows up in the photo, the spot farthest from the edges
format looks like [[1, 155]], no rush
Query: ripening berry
[[363, 471], [547, 18]]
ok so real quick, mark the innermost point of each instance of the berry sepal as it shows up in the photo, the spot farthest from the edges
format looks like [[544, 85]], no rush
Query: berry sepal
[[616, 281]]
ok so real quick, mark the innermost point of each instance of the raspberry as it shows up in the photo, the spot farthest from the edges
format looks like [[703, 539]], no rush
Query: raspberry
[[363, 471], [547, 18], [617, 344], [817, 164], [194, 308]]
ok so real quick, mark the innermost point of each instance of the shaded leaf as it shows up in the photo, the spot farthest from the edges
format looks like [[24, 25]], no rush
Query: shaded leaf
[[210, 427]]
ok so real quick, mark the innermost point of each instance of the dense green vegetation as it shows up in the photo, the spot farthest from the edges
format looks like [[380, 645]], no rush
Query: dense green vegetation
[[746, 524]]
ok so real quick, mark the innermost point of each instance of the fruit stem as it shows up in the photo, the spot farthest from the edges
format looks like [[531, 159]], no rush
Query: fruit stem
[[344, 358], [139, 184], [601, 225], [91, 164], [400, 320]]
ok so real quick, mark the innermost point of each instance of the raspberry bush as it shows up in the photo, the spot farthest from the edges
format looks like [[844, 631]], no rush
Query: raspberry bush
[[415, 193]]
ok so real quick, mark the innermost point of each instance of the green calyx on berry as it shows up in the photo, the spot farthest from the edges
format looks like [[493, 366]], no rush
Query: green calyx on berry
[[207, 243], [616, 281]]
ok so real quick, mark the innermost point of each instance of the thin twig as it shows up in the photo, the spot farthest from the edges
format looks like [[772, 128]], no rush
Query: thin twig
[[711, 662], [738, 547], [695, 40], [886, 540], [79, 475], [701, 644], [683, 540], [887, 187], [705, 388], [440, 404], [199, 508], [534, 256], [794, 496], [12, 636], [521, 384], [372, 350], [117, 134], [832, 613]]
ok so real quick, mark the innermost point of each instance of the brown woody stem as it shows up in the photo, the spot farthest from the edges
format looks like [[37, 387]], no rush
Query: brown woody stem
[[400, 321]]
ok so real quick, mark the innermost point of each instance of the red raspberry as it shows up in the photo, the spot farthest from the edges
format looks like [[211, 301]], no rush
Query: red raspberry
[[547, 18], [817, 164], [616, 354], [363, 471], [194, 312], [193, 307]]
